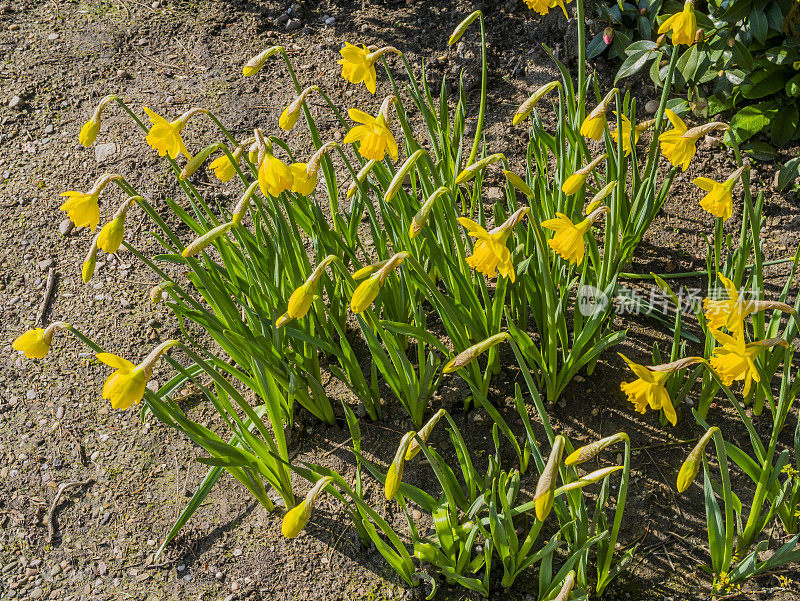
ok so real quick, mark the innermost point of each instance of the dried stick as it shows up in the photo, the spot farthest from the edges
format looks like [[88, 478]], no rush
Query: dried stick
[[49, 518], [48, 294]]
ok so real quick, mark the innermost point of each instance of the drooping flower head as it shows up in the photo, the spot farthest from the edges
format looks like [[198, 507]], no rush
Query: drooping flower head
[[126, 385], [373, 133], [110, 237], [691, 466], [575, 181], [649, 388], [301, 299], [367, 291], [165, 136], [223, 168], [91, 128], [735, 359], [731, 312], [35, 343], [490, 255], [568, 241], [679, 144], [291, 113], [594, 124], [358, 64], [466, 356], [83, 207], [274, 176], [296, 518], [305, 175], [683, 25], [719, 200]]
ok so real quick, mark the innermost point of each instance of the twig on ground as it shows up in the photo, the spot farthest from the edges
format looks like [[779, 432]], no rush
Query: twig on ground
[[48, 294], [50, 517]]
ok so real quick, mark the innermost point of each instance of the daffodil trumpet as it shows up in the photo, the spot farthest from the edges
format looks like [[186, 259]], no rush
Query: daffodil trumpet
[[35, 343], [301, 299], [594, 124], [546, 486], [165, 136], [469, 355], [734, 359], [256, 63], [679, 144], [719, 198], [567, 241], [224, 168], [91, 128], [683, 25], [421, 216], [367, 291], [296, 518], [731, 312], [373, 134], [126, 385], [526, 108], [274, 176], [490, 253]]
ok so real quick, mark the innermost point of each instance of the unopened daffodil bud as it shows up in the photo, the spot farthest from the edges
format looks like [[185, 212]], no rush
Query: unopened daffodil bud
[[527, 107], [127, 384], [519, 183], [462, 27], [367, 291], [588, 479], [110, 237], [83, 208], [255, 64], [545, 488], [291, 113], [35, 343], [575, 181], [90, 262], [193, 164], [691, 466], [472, 170], [296, 518], [301, 299], [157, 291], [592, 450], [203, 241], [470, 354], [421, 217], [395, 474], [400, 176], [91, 128], [423, 434], [598, 198], [368, 270], [241, 207], [595, 123], [360, 177]]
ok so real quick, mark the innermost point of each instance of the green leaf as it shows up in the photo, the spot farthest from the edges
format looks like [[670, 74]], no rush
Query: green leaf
[[784, 125], [634, 62], [751, 119], [789, 172], [758, 24], [763, 83], [793, 86], [761, 151]]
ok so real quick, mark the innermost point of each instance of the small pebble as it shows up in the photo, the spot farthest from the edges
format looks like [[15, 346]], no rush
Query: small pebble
[[66, 227], [330, 21], [293, 24], [15, 103], [652, 106], [49, 129], [95, 455], [123, 74], [53, 37], [237, 552]]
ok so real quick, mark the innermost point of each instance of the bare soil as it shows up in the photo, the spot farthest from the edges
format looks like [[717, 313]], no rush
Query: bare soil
[[60, 58]]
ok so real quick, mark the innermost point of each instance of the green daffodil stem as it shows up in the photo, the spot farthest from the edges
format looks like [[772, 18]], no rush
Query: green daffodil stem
[[482, 110], [581, 61]]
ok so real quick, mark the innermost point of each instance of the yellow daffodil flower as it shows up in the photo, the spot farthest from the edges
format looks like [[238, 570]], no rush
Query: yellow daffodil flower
[[719, 200], [357, 66], [35, 343], [594, 124], [303, 183], [543, 6], [735, 359], [649, 387], [91, 128], [82, 207], [679, 144], [126, 385], [165, 136], [367, 291], [567, 241], [490, 253], [224, 170], [291, 113], [375, 136], [683, 25], [626, 135], [110, 237], [274, 176], [296, 518], [731, 312]]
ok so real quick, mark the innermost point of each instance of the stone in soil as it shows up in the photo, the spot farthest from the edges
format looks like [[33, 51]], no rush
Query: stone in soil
[[104, 152], [15, 103]]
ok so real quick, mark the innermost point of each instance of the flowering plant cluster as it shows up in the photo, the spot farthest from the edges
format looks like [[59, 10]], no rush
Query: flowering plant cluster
[[446, 286]]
